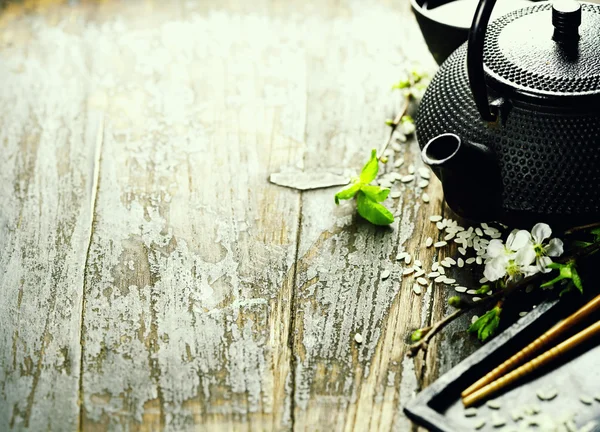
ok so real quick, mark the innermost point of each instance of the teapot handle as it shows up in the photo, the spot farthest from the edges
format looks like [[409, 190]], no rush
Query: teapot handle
[[475, 58]]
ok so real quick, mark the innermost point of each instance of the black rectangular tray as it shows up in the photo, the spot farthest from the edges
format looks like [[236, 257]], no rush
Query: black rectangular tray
[[577, 375]]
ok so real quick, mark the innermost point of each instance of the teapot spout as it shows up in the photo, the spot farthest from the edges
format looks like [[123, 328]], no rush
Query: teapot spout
[[470, 176]]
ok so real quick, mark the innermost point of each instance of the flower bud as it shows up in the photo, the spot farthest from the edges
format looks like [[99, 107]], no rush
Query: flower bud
[[455, 301], [484, 289], [416, 335]]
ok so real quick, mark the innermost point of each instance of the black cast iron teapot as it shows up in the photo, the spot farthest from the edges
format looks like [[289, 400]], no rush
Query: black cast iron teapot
[[510, 123]]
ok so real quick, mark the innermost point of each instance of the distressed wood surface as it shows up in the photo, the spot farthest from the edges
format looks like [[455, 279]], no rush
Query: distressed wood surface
[[151, 277]]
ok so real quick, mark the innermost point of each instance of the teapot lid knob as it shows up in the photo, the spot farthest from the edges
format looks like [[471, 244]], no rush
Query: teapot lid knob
[[566, 18]]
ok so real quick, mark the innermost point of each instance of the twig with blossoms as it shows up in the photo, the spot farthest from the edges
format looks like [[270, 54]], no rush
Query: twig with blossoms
[[423, 336], [412, 86], [514, 266]]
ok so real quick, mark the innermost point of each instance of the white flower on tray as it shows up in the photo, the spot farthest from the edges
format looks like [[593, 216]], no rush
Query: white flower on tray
[[507, 259], [541, 251], [515, 258]]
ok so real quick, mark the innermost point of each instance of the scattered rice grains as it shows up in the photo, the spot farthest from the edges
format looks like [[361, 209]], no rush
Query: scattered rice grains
[[546, 395], [471, 412], [480, 424], [497, 420], [493, 404]]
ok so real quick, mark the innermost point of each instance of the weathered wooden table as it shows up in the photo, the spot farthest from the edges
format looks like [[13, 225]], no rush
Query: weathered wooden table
[[151, 278]]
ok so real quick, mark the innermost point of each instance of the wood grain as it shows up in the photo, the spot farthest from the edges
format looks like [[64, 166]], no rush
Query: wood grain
[[152, 278], [193, 250], [47, 149], [339, 292]]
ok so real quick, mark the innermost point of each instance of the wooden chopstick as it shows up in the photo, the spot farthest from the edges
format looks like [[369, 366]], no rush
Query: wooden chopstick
[[530, 366], [536, 346]]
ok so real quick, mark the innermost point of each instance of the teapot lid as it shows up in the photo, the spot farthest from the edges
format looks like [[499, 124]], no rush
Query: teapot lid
[[548, 52]]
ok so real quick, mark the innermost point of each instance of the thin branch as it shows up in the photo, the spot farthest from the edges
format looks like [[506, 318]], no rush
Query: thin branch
[[431, 331], [465, 307], [582, 228], [395, 124], [435, 328], [580, 253]]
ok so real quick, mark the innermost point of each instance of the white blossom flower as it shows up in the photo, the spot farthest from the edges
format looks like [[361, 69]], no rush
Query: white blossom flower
[[524, 254], [510, 258], [540, 251]]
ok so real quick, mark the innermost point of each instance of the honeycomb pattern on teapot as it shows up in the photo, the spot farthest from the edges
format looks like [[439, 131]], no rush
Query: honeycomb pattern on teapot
[[550, 164], [496, 61]]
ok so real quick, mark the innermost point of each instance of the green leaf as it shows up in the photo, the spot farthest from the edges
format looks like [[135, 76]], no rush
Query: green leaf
[[566, 271], [489, 329], [348, 193], [369, 171], [581, 244], [556, 266], [401, 84], [576, 279], [418, 74], [487, 324], [477, 325], [376, 193], [373, 211]]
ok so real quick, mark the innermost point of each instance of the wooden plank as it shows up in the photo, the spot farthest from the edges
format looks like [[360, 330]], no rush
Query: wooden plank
[[339, 384], [47, 162], [188, 285]]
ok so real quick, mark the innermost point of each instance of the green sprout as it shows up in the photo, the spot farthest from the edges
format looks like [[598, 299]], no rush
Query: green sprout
[[368, 196]]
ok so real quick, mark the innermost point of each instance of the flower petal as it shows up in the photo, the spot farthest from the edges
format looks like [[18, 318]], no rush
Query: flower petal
[[495, 248], [495, 268], [511, 237], [555, 248], [542, 264], [525, 255], [541, 232], [530, 270], [520, 239]]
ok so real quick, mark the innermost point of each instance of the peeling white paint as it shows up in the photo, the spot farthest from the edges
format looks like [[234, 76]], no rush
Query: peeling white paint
[[408, 390], [191, 247], [47, 150], [204, 277]]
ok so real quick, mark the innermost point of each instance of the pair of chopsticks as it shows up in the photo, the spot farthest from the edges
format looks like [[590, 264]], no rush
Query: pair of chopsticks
[[509, 371]]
